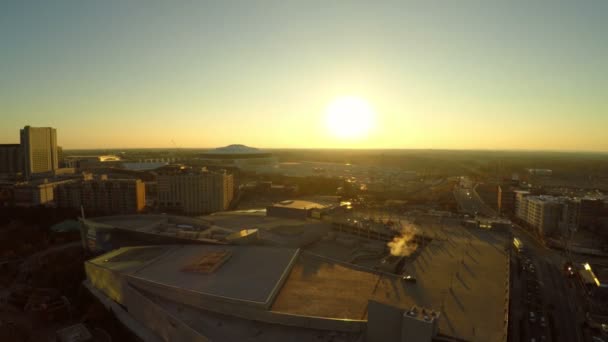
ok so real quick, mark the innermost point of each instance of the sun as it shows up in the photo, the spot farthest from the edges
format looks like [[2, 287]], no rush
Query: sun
[[349, 117]]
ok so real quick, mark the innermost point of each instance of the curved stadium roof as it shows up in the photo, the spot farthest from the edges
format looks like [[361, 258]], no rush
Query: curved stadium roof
[[236, 151]]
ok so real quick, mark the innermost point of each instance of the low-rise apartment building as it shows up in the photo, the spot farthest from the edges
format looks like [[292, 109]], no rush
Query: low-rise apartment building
[[103, 195]]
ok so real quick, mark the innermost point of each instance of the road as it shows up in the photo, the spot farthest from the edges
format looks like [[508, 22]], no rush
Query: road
[[558, 298], [469, 201]]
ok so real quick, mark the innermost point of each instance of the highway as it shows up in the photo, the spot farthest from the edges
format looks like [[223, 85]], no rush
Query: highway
[[469, 201], [558, 298]]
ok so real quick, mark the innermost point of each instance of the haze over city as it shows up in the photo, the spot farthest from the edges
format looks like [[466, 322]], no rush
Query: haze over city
[[314, 74]]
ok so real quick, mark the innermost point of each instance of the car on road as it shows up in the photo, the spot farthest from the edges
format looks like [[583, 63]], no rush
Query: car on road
[[532, 317], [543, 321], [569, 269], [408, 278]]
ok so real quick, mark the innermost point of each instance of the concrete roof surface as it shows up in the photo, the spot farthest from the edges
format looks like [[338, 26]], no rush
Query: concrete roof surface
[[250, 274], [460, 272]]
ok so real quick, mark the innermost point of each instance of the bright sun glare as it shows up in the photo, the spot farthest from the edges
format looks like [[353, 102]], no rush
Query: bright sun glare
[[349, 117]]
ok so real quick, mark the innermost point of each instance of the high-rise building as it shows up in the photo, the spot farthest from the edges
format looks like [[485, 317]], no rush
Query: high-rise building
[[194, 191], [39, 148], [103, 195], [506, 200], [11, 161]]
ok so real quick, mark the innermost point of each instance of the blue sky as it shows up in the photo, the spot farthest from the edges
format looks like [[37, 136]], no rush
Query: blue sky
[[439, 74]]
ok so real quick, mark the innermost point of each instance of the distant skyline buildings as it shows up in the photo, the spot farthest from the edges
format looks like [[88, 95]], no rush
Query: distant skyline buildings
[[36, 153], [39, 148]]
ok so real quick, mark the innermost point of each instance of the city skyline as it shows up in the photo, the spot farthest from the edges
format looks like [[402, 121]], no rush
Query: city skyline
[[511, 76]]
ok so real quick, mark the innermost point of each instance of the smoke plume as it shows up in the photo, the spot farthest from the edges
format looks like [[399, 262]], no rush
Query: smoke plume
[[404, 244]]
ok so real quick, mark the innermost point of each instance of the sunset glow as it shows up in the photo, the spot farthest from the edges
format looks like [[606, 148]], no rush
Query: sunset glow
[[350, 117]]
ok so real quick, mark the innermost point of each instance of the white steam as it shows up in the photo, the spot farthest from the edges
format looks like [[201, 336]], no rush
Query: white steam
[[404, 243]]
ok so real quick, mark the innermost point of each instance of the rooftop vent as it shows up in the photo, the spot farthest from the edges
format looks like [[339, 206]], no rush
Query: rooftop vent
[[208, 262], [427, 315]]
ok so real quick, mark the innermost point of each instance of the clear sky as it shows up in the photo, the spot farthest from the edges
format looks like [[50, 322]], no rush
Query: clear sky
[[438, 74]]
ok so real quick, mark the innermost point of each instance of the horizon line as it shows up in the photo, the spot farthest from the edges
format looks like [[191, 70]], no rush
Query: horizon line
[[350, 149]]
